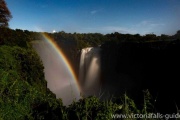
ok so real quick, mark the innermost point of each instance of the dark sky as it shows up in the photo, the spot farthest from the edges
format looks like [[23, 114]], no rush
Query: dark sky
[[103, 16]]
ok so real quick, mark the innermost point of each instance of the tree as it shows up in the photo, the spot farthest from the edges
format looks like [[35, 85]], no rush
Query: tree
[[5, 14], [177, 35]]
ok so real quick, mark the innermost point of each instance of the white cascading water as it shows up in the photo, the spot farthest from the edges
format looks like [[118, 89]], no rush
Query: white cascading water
[[59, 80], [89, 71]]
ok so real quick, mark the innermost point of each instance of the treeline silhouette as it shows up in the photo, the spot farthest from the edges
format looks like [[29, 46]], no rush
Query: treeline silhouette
[[72, 43]]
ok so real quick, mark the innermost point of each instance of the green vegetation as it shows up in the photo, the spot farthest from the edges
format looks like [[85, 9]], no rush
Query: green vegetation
[[23, 88], [24, 94]]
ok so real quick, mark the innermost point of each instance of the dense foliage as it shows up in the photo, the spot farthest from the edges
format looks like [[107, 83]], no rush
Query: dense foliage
[[24, 94], [23, 88]]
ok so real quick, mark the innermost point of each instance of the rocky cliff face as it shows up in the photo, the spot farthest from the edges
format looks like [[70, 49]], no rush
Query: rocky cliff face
[[134, 67]]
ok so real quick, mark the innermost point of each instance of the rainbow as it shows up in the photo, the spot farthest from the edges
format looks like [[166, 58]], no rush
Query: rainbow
[[58, 50]]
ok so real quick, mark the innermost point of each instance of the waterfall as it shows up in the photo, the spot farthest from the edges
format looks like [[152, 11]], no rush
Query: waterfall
[[89, 71]]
